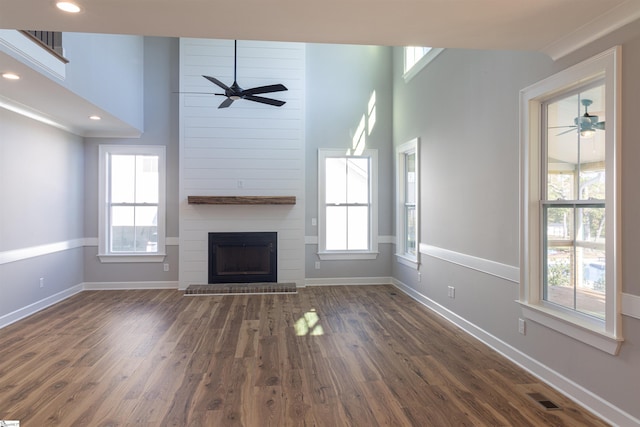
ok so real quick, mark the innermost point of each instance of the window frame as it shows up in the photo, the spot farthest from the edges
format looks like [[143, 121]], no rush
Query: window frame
[[402, 255], [372, 252], [421, 63], [605, 335], [104, 253]]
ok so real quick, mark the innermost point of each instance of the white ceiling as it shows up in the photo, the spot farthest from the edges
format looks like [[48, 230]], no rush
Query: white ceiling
[[555, 27]]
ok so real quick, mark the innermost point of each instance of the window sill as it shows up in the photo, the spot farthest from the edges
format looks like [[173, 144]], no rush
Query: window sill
[[350, 255], [573, 327], [109, 258], [409, 262]]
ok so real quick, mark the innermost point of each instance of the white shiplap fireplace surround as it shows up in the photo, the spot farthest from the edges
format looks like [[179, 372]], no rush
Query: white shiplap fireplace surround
[[248, 149]]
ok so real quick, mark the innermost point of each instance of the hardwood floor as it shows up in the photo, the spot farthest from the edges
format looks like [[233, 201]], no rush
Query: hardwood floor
[[326, 356]]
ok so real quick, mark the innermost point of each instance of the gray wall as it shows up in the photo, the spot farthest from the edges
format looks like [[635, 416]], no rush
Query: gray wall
[[101, 65], [161, 128], [340, 81], [41, 190], [464, 108]]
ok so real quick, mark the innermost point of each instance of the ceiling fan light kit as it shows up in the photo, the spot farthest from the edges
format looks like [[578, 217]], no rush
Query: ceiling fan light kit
[[235, 92]]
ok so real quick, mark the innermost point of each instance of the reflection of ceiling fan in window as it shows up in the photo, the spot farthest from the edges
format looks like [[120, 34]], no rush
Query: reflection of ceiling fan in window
[[586, 124]]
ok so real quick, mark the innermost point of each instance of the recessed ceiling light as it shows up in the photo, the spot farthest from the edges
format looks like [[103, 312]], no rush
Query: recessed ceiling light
[[68, 6], [94, 117], [11, 76]]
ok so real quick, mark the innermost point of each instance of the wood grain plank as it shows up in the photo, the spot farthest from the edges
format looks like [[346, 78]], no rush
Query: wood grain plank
[[241, 200], [326, 356]]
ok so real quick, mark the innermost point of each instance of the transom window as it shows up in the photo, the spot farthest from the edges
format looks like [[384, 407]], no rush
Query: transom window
[[347, 200], [132, 187]]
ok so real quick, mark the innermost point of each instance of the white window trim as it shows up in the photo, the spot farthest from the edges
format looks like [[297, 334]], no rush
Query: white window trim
[[605, 335], [372, 253], [421, 63], [103, 253], [401, 253]]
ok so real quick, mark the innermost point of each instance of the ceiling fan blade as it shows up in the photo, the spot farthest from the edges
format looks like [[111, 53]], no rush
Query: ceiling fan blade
[[265, 89], [216, 82], [226, 103], [263, 100], [199, 93], [573, 129], [599, 125]]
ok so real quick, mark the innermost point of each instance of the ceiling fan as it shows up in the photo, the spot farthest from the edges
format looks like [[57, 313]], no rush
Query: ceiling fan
[[586, 124], [235, 92]]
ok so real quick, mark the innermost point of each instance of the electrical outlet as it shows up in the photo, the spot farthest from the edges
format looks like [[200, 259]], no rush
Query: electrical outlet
[[522, 326], [419, 277], [314, 222], [240, 184], [317, 265], [451, 292], [166, 266], [42, 282]]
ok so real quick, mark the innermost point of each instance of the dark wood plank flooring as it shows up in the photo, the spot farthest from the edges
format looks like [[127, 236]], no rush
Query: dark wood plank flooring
[[326, 356]]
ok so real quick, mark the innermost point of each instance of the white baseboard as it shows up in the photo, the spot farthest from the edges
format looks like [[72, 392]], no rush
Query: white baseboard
[[123, 286], [30, 309], [586, 398], [333, 281]]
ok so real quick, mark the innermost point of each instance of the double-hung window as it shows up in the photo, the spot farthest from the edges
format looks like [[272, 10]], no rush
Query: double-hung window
[[347, 205], [570, 272], [132, 198], [407, 209]]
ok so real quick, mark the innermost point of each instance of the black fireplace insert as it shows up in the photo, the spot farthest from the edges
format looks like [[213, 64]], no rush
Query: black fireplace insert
[[243, 257]]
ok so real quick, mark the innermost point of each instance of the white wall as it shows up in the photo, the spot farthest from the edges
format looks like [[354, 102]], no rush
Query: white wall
[[248, 149]]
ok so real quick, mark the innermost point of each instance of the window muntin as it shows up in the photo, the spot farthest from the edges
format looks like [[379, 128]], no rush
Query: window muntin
[[347, 209], [132, 215], [573, 253]]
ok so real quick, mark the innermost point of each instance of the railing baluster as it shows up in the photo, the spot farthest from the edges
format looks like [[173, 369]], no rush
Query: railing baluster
[[51, 40]]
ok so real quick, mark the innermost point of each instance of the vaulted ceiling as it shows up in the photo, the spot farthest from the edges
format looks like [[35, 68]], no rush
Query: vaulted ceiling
[[543, 25], [554, 27]]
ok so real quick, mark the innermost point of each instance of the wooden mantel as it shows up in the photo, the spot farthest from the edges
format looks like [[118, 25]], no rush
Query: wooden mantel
[[241, 200]]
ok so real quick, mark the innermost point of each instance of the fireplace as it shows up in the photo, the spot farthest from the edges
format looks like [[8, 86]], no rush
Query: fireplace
[[243, 257]]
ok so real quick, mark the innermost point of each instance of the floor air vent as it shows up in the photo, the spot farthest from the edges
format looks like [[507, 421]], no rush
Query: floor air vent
[[544, 401]]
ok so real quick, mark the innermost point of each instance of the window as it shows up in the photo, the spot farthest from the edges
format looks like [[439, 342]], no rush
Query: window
[[570, 276], [132, 212], [416, 58], [407, 211], [347, 205]]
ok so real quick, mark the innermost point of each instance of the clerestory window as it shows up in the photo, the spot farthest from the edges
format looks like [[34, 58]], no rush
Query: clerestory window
[[416, 58]]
